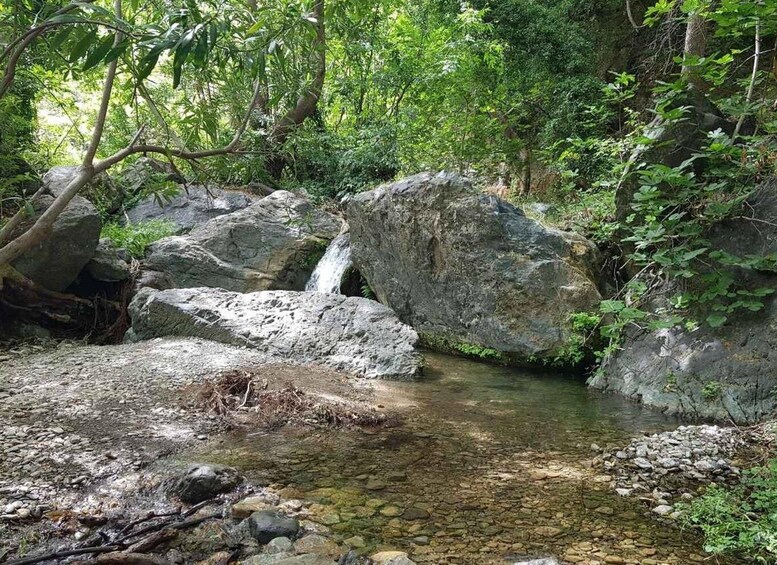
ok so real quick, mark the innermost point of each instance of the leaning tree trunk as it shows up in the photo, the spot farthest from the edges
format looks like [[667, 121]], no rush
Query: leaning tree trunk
[[306, 104]]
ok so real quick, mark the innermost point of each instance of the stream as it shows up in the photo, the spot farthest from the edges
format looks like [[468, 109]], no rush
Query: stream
[[490, 465]]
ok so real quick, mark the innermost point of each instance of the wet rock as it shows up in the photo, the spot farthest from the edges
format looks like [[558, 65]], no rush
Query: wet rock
[[203, 482], [318, 544], [192, 207], [415, 513], [466, 268], [349, 334], [273, 244], [540, 561], [267, 525]]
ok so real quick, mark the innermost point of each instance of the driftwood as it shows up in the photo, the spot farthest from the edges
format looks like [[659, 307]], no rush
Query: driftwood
[[119, 558], [130, 546]]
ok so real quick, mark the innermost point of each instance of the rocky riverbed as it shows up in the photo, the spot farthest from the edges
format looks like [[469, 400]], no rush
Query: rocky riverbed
[[488, 465]]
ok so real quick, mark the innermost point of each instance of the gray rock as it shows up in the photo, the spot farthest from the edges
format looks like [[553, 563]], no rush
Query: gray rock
[[462, 267], [142, 173], [100, 191], [57, 260], [109, 264], [278, 545], [203, 482], [266, 525], [349, 334], [282, 559], [727, 373], [663, 509], [192, 207], [540, 561], [274, 244]]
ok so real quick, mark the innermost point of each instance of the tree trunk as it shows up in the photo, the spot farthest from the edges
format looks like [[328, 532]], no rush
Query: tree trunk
[[306, 103], [695, 46]]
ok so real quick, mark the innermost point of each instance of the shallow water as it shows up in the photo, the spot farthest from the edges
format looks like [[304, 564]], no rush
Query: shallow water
[[490, 464]]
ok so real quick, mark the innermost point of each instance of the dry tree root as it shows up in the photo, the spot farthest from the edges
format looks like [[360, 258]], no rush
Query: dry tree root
[[240, 397], [128, 547]]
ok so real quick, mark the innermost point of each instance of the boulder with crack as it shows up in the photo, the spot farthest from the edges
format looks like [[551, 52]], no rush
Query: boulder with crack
[[274, 244], [354, 335], [469, 271]]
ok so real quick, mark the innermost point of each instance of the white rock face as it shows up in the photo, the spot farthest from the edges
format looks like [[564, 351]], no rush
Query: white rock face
[[349, 334]]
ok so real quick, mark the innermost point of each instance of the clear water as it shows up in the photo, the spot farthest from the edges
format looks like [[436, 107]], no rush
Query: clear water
[[328, 274], [491, 464]]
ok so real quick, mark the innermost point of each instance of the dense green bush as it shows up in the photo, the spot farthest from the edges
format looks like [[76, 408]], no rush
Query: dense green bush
[[330, 165], [740, 519]]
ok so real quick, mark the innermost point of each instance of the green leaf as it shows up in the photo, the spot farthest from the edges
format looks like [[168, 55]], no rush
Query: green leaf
[[98, 53], [611, 306], [83, 44], [716, 320]]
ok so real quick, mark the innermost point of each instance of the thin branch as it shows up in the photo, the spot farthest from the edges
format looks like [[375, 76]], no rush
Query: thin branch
[[753, 76], [632, 21], [183, 153], [15, 50]]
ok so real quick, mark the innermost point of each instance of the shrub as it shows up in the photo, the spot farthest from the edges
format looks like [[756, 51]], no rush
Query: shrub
[[136, 238], [741, 519]]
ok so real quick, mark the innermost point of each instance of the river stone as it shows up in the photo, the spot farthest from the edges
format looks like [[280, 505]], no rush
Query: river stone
[[282, 559], [203, 482], [727, 373], [349, 334], [316, 543], [267, 525], [193, 206], [274, 244], [464, 268], [59, 258], [391, 558]]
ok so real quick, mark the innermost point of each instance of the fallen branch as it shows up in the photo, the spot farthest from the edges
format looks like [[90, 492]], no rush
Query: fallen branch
[[68, 553]]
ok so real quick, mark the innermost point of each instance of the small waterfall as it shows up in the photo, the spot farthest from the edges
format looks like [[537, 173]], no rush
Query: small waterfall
[[328, 274]]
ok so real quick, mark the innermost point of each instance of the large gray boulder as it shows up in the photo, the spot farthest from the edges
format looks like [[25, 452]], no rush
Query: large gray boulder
[[353, 335], [727, 373], [56, 261], [274, 244], [190, 208], [469, 271]]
